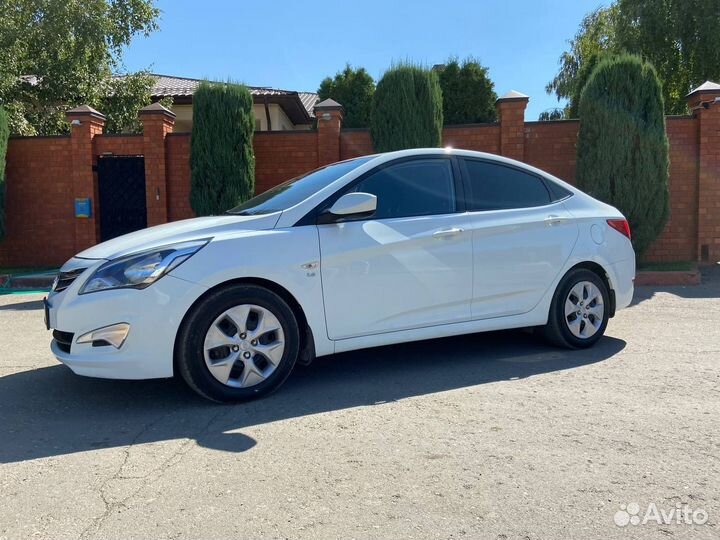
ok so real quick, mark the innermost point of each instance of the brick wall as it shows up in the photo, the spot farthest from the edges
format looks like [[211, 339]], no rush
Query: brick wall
[[40, 225], [355, 143], [679, 239], [282, 155], [550, 146], [45, 174], [178, 181]]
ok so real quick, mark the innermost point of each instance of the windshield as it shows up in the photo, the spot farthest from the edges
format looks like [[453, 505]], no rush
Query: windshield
[[296, 190]]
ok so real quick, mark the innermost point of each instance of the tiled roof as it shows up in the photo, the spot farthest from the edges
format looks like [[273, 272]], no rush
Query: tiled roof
[[166, 85]]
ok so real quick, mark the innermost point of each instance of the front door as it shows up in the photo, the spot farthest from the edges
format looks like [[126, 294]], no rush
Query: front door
[[409, 265], [121, 187]]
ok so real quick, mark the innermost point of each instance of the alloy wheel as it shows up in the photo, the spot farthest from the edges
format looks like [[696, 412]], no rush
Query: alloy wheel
[[244, 346], [584, 309]]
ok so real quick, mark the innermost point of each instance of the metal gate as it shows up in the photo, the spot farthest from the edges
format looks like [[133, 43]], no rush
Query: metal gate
[[121, 186]]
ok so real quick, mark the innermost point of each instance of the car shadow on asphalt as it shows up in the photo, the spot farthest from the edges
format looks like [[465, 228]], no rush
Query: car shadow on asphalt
[[29, 305], [51, 412]]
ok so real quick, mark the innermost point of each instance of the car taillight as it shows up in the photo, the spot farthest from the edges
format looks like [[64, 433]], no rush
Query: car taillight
[[620, 225]]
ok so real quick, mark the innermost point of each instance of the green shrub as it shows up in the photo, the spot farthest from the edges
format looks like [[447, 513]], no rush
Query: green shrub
[[407, 109], [468, 93], [353, 89], [622, 146], [222, 161], [4, 134]]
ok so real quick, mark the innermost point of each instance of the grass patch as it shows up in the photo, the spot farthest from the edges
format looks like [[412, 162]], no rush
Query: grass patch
[[24, 270], [671, 266]]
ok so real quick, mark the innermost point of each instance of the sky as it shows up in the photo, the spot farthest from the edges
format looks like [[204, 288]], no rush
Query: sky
[[294, 45]]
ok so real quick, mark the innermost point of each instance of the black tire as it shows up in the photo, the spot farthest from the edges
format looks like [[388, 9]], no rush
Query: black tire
[[557, 331], [191, 338]]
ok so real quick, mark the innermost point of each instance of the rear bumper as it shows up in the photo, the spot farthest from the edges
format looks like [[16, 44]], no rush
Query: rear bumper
[[622, 279]]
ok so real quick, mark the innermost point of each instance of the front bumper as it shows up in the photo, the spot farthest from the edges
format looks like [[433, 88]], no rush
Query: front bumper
[[154, 315]]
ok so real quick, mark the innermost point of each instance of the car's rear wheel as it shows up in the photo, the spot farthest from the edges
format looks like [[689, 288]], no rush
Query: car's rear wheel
[[238, 343], [579, 311]]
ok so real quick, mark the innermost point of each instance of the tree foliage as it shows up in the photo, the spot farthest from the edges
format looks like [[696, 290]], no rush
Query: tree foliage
[[468, 93], [4, 134], [551, 114], [122, 97], [595, 36], [353, 88], [681, 38], [222, 161], [622, 152], [56, 54], [407, 109]]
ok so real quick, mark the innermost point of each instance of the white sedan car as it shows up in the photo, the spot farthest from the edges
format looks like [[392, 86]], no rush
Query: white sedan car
[[381, 249]]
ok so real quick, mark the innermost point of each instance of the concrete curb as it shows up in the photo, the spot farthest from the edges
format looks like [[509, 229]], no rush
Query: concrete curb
[[686, 277]]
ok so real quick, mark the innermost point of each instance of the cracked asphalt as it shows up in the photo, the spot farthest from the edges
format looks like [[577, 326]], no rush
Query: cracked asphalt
[[486, 436]]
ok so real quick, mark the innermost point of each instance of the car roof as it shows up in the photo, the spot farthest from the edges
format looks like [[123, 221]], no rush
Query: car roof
[[448, 150]]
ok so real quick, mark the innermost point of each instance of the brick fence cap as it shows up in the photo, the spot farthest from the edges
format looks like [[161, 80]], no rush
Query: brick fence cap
[[706, 87], [514, 95], [157, 108], [328, 105], [85, 110]]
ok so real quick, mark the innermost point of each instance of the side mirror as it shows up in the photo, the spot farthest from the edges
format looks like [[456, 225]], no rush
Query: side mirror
[[350, 205]]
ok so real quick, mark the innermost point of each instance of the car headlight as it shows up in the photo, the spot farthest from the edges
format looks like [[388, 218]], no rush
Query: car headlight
[[141, 270]]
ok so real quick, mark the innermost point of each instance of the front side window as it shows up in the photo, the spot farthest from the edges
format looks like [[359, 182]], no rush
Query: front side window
[[493, 186], [420, 187], [296, 190]]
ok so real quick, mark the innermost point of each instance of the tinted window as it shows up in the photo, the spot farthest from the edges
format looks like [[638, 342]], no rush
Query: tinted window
[[413, 188], [496, 187], [558, 192], [298, 189]]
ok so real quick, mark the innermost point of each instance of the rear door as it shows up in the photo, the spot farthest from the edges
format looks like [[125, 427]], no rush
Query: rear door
[[521, 234], [407, 266]]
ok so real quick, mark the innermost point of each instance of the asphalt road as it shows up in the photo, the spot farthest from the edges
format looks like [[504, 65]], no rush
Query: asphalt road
[[485, 436]]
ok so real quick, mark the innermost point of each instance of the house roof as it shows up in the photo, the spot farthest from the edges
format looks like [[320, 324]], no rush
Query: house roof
[[707, 86], [297, 105]]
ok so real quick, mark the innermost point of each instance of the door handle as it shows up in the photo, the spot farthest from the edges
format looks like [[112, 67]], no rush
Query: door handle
[[553, 219], [443, 233]]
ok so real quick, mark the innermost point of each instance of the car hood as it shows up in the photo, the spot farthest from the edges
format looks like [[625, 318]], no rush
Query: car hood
[[178, 231]]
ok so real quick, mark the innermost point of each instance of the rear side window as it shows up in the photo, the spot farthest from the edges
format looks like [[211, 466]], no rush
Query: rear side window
[[493, 186], [557, 191], [420, 187]]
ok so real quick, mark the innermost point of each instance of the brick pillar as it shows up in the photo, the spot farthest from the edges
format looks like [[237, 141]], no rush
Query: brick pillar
[[157, 122], [704, 102], [329, 114], [511, 116], [85, 124]]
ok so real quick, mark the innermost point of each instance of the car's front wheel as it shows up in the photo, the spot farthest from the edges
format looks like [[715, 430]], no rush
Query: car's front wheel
[[238, 343], [580, 310]]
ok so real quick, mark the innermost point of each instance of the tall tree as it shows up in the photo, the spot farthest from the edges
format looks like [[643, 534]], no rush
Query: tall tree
[[622, 150], [595, 37], [680, 37], [222, 159], [353, 88], [407, 109], [55, 54], [468, 93]]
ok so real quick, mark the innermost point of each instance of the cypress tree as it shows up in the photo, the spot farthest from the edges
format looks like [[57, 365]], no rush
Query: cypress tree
[[468, 94], [4, 134], [407, 109], [622, 152], [222, 160]]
